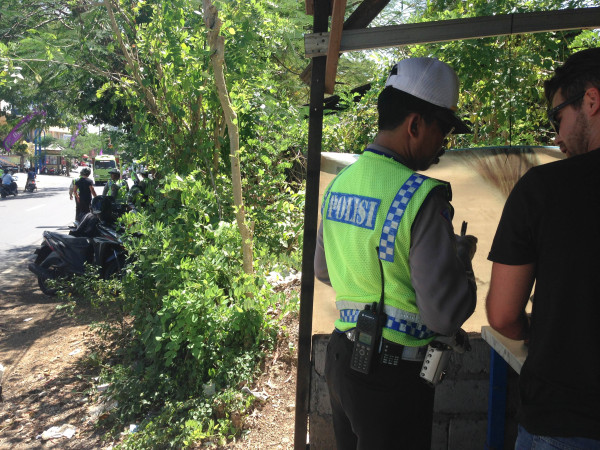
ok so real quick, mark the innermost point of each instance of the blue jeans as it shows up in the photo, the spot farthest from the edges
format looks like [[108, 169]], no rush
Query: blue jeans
[[527, 441]]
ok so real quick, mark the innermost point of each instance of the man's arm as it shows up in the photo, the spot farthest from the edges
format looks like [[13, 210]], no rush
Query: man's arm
[[320, 262], [510, 288], [445, 288], [92, 190]]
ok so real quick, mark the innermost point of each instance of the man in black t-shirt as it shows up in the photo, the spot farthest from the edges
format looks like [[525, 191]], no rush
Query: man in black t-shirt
[[549, 234], [84, 191]]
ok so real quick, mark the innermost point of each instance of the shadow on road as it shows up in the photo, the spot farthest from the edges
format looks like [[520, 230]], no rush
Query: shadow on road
[[21, 253], [41, 192]]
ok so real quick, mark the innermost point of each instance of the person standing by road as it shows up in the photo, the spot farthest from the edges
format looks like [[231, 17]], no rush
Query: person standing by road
[[548, 234], [386, 239], [71, 194], [83, 191], [116, 188]]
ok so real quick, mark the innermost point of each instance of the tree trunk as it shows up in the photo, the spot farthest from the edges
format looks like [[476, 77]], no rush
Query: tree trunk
[[217, 46]]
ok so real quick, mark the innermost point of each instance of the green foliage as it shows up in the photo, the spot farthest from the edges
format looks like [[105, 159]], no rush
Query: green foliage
[[199, 326], [353, 129], [502, 77], [184, 424]]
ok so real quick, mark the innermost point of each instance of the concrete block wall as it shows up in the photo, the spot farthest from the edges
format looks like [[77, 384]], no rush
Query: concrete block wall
[[460, 408]]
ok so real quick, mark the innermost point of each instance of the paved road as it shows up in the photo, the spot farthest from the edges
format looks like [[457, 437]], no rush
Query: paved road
[[26, 216]]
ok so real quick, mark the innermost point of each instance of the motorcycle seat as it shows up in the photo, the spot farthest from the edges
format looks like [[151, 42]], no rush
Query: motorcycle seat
[[69, 241]]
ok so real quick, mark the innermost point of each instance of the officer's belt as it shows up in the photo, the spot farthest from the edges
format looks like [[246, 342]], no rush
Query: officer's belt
[[408, 353], [397, 319]]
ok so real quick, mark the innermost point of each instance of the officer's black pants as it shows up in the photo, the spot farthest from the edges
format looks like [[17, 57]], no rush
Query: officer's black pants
[[391, 408]]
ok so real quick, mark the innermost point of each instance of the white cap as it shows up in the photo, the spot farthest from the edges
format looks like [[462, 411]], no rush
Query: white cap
[[430, 80]]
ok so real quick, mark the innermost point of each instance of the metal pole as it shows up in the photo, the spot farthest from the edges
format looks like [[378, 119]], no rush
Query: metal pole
[[37, 154], [496, 402], [315, 133]]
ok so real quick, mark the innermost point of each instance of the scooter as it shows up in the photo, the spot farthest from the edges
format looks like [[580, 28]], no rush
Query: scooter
[[6, 190], [62, 256], [30, 185]]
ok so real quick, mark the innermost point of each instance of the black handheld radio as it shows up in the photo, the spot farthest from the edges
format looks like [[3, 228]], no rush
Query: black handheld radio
[[368, 331]]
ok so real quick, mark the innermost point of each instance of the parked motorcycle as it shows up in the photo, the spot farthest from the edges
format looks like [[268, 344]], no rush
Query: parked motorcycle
[[94, 242], [50, 171]]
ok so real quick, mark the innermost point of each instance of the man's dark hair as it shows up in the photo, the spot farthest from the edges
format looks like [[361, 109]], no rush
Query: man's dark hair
[[394, 106], [579, 71]]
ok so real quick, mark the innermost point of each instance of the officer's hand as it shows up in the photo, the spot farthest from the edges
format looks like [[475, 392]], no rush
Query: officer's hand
[[466, 246], [462, 341]]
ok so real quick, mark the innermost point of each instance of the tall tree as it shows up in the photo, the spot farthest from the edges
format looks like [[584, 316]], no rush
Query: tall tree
[[216, 43]]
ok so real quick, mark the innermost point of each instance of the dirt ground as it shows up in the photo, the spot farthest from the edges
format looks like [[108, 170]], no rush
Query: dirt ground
[[50, 381]]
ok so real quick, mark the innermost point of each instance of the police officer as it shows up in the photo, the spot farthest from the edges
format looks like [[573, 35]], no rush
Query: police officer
[[381, 212], [116, 188]]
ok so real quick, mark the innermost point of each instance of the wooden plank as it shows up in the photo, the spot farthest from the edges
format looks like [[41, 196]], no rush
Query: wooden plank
[[457, 29], [513, 352], [333, 49], [309, 6]]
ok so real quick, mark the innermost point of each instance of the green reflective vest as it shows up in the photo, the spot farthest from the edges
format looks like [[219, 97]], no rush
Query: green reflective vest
[[122, 188], [373, 204]]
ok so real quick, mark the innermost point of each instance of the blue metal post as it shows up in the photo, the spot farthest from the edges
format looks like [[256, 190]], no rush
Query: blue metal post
[[496, 402], [37, 140]]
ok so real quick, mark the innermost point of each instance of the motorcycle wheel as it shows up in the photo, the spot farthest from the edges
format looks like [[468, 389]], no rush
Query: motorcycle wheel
[[48, 264], [112, 269]]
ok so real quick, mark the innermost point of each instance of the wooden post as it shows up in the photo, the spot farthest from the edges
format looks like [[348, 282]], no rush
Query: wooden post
[[315, 133]]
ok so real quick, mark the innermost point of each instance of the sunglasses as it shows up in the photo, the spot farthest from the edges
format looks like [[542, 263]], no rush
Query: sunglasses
[[446, 127], [552, 112]]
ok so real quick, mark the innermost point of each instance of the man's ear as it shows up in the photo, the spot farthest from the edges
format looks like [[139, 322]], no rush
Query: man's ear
[[593, 94], [413, 125]]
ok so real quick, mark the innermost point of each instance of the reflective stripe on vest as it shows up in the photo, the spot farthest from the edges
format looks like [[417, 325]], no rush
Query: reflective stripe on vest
[[394, 216], [397, 319]]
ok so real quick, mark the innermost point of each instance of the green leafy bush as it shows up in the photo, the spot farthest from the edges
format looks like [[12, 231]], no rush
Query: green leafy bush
[[198, 325]]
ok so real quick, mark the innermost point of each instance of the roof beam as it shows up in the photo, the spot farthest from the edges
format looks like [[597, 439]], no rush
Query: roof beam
[[333, 48], [362, 16], [316, 44]]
